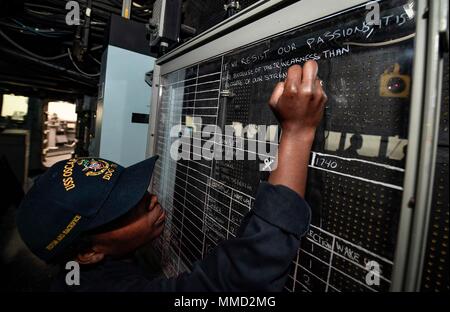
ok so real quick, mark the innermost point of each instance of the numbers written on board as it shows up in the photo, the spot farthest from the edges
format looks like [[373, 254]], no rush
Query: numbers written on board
[[325, 163]]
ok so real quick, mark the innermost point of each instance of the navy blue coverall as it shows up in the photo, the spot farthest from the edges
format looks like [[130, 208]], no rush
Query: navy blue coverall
[[258, 259]]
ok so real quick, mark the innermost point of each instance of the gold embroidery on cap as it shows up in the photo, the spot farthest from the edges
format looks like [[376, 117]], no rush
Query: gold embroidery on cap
[[93, 167], [67, 180], [63, 234], [109, 173]]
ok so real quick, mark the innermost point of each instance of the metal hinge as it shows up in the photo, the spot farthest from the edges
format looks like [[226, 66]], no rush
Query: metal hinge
[[227, 93]]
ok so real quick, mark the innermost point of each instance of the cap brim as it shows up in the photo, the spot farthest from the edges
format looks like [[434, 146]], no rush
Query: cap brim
[[128, 191]]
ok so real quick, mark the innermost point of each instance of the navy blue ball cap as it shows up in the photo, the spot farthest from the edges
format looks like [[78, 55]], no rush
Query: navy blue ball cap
[[78, 195]]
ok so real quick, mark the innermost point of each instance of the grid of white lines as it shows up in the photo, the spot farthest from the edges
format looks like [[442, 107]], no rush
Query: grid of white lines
[[331, 269], [174, 104]]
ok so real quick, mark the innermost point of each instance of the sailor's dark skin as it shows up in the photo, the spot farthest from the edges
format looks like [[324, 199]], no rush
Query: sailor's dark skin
[[298, 104], [138, 227]]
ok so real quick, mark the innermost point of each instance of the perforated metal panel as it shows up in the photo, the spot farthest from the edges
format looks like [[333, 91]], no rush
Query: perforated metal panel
[[356, 171], [435, 273]]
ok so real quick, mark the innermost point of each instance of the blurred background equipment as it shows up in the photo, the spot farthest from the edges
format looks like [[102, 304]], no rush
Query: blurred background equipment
[[124, 101], [164, 26], [59, 132]]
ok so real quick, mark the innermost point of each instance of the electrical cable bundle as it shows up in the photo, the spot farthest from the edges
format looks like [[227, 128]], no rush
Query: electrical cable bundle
[[44, 24]]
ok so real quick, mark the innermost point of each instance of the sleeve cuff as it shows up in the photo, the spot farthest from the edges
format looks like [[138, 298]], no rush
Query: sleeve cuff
[[282, 207]]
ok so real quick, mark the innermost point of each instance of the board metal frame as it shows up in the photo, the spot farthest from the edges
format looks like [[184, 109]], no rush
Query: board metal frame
[[206, 46]]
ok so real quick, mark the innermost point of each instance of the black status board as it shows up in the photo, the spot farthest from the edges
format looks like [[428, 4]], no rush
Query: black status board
[[356, 169]]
